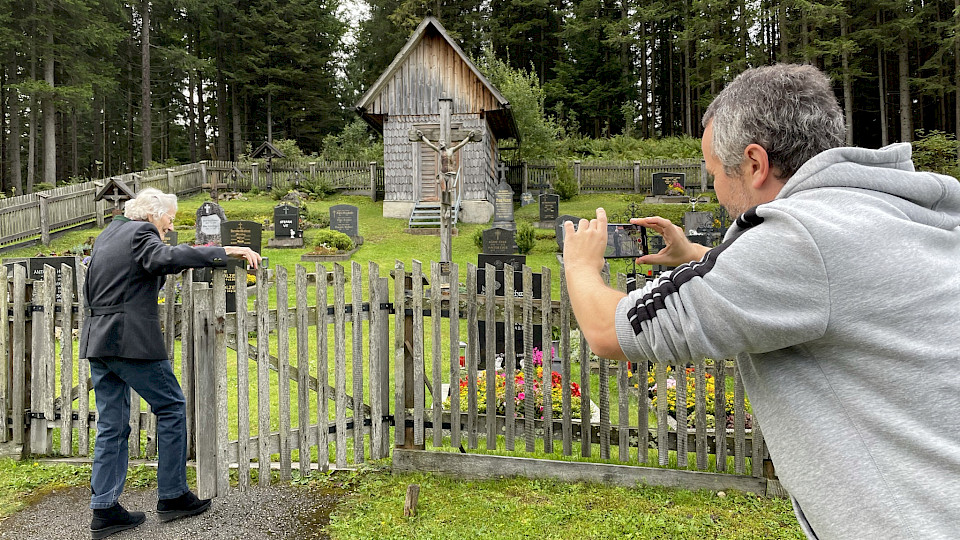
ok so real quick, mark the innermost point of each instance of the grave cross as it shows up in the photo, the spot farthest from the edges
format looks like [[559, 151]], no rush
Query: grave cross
[[448, 176]]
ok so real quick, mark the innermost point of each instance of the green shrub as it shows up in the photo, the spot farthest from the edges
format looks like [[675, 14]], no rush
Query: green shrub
[[320, 220], [565, 185], [526, 237], [936, 151], [318, 186], [478, 238], [42, 186], [333, 239]]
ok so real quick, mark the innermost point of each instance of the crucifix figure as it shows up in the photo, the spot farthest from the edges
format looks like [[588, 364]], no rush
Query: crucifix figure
[[448, 176]]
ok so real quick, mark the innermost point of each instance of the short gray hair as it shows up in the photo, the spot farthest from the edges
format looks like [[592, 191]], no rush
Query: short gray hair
[[150, 202], [788, 109]]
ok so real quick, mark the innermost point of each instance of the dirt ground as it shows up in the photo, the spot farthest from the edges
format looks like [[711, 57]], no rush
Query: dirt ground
[[279, 511]]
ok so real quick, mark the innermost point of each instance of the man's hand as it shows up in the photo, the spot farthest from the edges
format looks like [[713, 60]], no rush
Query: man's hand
[[678, 249], [252, 257], [583, 248]]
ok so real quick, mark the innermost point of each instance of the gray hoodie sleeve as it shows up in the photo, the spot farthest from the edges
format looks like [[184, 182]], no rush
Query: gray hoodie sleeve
[[764, 288]]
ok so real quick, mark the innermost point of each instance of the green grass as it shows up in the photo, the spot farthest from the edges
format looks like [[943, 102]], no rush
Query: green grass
[[509, 508]]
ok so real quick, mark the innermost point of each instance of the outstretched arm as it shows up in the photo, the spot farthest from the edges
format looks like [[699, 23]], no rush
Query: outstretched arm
[[426, 141], [462, 143]]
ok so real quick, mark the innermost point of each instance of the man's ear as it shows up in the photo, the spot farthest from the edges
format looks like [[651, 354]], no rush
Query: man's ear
[[756, 166]]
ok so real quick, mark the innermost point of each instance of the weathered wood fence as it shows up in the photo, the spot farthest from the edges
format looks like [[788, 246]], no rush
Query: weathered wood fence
[[604, 177], [307, 375], [349, 177]]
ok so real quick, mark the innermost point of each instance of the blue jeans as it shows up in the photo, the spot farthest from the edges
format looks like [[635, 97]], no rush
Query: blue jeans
[[155, 382]]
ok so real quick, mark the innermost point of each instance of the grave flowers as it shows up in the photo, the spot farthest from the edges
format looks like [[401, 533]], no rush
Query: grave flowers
[[691, 388], [673, 188]]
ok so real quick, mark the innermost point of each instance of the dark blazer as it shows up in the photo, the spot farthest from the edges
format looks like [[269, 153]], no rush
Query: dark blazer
[[125, 274]]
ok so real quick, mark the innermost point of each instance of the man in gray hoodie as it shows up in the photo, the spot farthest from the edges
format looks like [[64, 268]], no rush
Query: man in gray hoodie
[[838, 291]]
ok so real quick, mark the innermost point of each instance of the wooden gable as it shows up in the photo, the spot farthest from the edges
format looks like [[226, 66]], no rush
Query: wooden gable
[[430, 66]]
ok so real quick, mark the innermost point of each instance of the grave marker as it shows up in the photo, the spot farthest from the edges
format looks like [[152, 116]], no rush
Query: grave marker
[[498, 261], [210, 216], [518, 291], [34, 267], [346, 219], [501, 340], [559, 227], [503, 207], [526, 198], [243, 234], [172, 238], [661, 179], [286, 227], [499, 241], [549, 206]]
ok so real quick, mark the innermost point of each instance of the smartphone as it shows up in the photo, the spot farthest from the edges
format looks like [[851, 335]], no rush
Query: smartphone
[[625, 241]]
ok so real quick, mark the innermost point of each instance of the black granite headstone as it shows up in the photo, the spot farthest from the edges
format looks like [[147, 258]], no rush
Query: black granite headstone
[[499, 241], [549, 206], [346, 219], [662, 179], [286, 222], [209, 217], [243, 234], [501, 340], [559, 227], [498, 261], [35, 271], [503, 207], [172, 238], [517, 283]]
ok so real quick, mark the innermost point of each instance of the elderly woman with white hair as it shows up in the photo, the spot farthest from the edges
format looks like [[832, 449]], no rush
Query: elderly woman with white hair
[[121, 337]]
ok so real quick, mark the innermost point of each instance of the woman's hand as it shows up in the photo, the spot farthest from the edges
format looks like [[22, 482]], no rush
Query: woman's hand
[[252, 257]]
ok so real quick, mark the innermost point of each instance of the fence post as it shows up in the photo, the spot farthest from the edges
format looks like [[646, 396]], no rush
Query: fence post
[[576, 173], [703, 176], [636, 177], [170, 182], [205, 391], [526, 178], [203, 175], [313, 170], [255, 175], [373, 180], [44, 219]]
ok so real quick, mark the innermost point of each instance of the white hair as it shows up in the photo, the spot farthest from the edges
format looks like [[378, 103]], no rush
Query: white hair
[[788, 109], [150, 202]]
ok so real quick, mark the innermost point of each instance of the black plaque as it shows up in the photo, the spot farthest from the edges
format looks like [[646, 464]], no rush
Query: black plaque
[[549, 206], [243, 234], [286, 222], [346, 219], [503, 203], [499, 241], [501, 340], [559, 227], [35, 271], [498, 261], [172, 238], [517, 283], [662, 179]]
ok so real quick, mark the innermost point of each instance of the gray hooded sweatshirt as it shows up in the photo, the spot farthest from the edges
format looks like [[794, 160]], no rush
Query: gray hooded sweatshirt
[[841, 301]]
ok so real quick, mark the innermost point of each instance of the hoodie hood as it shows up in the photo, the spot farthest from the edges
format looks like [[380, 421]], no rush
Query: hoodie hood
[[925, 197]]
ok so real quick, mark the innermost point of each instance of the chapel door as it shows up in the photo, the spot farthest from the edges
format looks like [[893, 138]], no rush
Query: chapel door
[[429, 169]]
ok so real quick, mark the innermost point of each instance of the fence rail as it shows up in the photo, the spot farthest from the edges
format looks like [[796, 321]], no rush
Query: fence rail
[[604, 177], [332, 369]]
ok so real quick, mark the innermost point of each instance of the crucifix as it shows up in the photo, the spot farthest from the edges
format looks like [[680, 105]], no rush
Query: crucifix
[[447, 175]]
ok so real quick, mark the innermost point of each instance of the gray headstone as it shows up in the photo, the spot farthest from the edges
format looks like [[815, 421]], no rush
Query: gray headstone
[[286, 222], [346, 219], [210, 216], [549, 206], [503, 207], [499, 241], [661, 179], [526, 198], [559, 227]]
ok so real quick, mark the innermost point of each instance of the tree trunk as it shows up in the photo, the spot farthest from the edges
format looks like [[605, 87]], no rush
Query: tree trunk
[[906, 109], [847, 82], [201, 121], [191, 117], [13, 144], [881, 77], [235, 110], [784, 36], [644, 83], [49, 118], [74, 144], [687, 95], [146, 125]]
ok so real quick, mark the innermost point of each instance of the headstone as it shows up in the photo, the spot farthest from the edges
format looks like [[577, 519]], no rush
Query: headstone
[[286, 227], [498, 261], [518, 291], [501, 340], [34, 267], [559, 227], [549, 206], [499, 241], [503, 207], [243, 234], [172, 238], [346, 219], [693, 222], [209, 217], [526, 198], [661, 179]]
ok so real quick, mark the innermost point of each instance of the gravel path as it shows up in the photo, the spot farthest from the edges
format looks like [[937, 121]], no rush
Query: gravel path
[[279, 511]]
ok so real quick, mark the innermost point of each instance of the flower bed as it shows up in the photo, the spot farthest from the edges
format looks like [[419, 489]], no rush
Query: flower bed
[[691, 396]]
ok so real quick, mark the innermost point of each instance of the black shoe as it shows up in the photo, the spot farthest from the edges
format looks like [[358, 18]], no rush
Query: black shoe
[[183, 506], [107, 521]]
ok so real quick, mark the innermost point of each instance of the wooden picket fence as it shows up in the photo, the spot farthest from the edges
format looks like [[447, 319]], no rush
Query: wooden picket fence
[[257, 393], [605, 176]]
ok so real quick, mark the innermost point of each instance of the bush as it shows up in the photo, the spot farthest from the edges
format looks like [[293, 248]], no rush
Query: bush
[[328, 238], [526, 237], [936, 151], [565, 185], [318, 186], [478, 238]]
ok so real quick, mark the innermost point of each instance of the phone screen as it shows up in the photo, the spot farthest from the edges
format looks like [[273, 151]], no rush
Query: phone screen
[[625, 240]]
